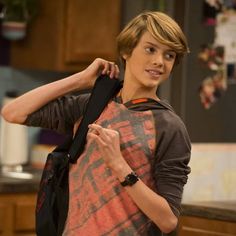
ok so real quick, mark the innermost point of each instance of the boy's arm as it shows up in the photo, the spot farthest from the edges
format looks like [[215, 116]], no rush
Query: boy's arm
[[17, 110]]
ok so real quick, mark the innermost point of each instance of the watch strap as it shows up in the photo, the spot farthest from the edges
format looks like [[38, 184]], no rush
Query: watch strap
[[130, 179]]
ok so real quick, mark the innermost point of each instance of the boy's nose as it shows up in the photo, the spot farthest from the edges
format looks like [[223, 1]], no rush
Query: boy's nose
[[158, 60]]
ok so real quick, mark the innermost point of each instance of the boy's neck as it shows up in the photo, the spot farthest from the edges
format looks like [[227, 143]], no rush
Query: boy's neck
[[129, 93]]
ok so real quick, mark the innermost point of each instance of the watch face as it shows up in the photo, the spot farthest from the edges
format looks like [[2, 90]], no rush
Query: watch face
[[132, 179]]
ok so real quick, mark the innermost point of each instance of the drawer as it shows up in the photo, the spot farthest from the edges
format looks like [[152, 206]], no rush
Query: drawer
[[25, 216], [6, 219], [2, 210], [17, 214], [195, 226]]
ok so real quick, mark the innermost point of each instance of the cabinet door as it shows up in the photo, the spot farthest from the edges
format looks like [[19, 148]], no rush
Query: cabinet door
[[40, 49], [91, 30], [194, 226], [6, 219], [68, 35], [25, 216], [17, 217]]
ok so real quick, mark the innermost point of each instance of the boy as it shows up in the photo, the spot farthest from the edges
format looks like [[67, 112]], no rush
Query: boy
[[129, 179]]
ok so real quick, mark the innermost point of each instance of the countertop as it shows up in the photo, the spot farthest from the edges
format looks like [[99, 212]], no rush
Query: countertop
[[28, 181], [217, 210], [23, 181]]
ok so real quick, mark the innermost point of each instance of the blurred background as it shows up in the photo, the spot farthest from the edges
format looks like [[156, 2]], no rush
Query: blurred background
[[43, 41]]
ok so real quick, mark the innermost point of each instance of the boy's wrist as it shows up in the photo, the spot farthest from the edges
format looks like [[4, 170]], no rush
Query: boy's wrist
[[80, 80], [130, 179], [121, 170]]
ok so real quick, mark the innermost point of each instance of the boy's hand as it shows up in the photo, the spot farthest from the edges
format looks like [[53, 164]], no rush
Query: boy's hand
[[96, 68]]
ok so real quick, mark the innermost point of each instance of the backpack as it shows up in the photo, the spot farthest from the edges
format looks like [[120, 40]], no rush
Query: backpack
[[53, 195]]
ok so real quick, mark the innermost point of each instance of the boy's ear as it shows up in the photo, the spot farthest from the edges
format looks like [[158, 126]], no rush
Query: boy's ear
[[125, 56]]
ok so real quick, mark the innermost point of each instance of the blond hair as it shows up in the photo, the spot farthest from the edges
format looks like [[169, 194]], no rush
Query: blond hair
[[162, 27]]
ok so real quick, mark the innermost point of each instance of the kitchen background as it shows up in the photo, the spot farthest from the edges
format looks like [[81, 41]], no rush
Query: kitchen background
[[212, 129]]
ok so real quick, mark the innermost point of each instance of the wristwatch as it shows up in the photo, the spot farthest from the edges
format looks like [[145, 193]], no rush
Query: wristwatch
[[130, 179]]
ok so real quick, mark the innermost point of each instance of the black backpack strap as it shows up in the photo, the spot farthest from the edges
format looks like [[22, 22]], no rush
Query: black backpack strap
[[103, 90]]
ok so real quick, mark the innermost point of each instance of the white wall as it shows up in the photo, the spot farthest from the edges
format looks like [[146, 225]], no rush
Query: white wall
[[213, 174]]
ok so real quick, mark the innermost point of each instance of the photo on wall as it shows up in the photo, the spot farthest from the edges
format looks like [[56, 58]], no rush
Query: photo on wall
[[226, 36], [214, 85], [231, 73], [210, 10]]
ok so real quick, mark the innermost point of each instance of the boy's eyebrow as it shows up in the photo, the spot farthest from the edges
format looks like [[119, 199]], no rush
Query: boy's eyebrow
[[155, 45]]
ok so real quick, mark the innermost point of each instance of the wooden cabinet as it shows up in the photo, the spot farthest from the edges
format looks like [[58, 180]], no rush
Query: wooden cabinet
[[68, 35], [196, 226], [17, 214]]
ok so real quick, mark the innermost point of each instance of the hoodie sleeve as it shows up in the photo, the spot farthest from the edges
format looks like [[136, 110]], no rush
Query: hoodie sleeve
[[172, 157], [59, 115]]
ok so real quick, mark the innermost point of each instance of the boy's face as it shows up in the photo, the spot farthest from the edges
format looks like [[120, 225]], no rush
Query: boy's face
[[150, 63]]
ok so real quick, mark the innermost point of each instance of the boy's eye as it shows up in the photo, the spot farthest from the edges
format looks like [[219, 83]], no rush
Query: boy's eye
[[150, 49], [170, 56]]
